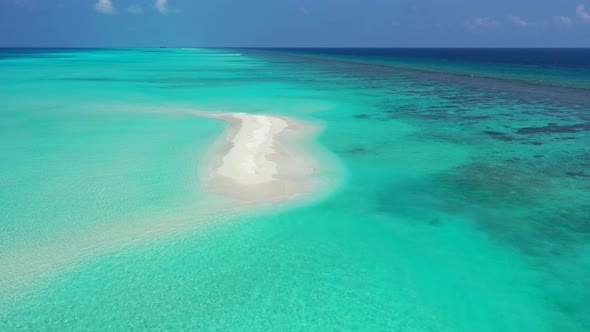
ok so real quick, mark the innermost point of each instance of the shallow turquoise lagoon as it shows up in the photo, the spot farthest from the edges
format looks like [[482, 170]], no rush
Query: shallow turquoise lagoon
[[460, 204]]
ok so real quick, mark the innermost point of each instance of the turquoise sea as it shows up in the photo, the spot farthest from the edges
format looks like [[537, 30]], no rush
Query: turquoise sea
[[459, 199]]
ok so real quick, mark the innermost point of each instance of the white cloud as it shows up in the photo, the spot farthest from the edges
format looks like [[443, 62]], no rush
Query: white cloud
[[134, 9], [582, 13], [566, 20], [105, 7], [519, 22], [162, 7], [482, 22], [304, 11]]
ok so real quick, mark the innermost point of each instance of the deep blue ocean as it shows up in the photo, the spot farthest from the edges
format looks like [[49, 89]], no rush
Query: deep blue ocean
[[561, 67]]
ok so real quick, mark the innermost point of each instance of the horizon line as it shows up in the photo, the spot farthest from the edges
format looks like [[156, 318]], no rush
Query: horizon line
[[297, 47]]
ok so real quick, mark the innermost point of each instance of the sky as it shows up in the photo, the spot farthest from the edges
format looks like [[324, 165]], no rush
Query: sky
[[295, 23]]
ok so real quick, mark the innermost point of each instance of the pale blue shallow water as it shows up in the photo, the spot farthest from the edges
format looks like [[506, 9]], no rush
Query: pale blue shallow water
[[464, 205]]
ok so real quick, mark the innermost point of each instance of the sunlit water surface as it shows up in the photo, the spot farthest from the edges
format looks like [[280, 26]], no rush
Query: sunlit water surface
[[464, 204]]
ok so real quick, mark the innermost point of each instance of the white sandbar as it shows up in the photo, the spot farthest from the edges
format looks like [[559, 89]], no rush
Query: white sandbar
[[247, 161], [260, 159]]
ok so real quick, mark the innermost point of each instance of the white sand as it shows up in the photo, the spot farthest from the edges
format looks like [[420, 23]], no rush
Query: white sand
[[247, 161], [263, 161]]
